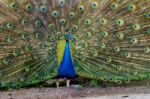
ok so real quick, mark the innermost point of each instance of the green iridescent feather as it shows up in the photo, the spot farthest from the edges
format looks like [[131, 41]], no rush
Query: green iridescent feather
[[110, 39]]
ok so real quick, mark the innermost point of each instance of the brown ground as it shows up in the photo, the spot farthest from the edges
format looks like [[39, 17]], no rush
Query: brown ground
[[52, 93]]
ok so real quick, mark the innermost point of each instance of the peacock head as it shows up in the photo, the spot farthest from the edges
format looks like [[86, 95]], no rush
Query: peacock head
[[67, 35]]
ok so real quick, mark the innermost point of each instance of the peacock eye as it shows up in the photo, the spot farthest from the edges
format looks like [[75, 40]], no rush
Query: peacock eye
[[127, 55], [38, 23], [58, 34], [102, 21], [120, 36], [148, 15], [133, 40], [114, 6], [74, 38], [38, 35], [136, 27], [43, 9], [87, 22], [62, 21], [81, 8], [6, 61], [116, 49], [94, 5], [29, 7], [83, 59], [71, 15], [51, 39], [51, 26], [104, 34], [24, 22], [85, 45], [109, 60], [61, 2], [9, 25], [55, 14], [105, 79], [28, 48], [111, 79], [10, 39], [24, 36], [120, 22], [146, 50], [76, 68], [88, 34], [102, 45], [131, 7], [13, 5], [16, 53], [134, 72], [119, 68], [74, 28], [94, 53], [118, 81]]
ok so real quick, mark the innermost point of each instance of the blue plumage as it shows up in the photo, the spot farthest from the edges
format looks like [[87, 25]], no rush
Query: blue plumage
[[66, 69]]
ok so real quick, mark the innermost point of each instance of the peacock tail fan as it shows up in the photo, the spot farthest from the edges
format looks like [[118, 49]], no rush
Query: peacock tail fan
[[110, 39]]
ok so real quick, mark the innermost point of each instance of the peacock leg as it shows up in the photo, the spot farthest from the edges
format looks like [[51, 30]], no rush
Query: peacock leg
[[68, 86], [59, 91]]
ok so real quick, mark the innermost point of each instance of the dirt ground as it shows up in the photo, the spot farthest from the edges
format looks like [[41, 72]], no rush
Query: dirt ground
[[135, 92]]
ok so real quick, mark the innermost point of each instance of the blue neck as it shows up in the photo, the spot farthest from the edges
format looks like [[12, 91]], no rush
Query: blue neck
[[66, 69]]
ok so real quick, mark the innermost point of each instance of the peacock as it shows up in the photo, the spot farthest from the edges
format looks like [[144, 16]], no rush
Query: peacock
[[107, 40]]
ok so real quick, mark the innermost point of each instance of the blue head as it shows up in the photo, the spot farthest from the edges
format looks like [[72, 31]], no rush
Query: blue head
[[67, 35]]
